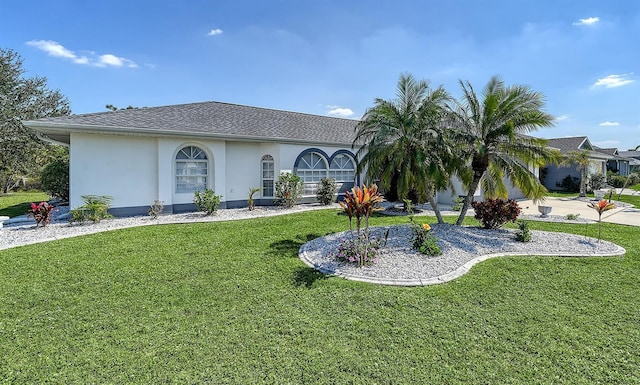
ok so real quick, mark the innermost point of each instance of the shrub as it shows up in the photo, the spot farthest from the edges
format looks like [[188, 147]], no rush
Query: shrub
[[572, 217], [359, 203], [94, 209], [523, 234], [326, 190], [156, 208], [41, 213], [353, 250], [288, 189], [207, 201], [55, 178], [597, 182], [616, 180], [493, 213], [250, 201], [570, 184], [423, 240], [457, 203]]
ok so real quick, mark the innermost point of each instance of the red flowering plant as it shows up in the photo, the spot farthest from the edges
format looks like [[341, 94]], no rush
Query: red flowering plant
[[41, 213], [601, 206], [360, 203]]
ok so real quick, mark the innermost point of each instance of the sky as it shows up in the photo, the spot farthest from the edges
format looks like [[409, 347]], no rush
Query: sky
[[331, 57]]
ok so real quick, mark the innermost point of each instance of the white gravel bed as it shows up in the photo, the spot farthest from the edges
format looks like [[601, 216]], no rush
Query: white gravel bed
[[462, 247], [12, 236]]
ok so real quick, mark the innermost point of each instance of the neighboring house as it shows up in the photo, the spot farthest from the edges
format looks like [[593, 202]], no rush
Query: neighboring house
[[634, 159], [602, 160], [166, 153]]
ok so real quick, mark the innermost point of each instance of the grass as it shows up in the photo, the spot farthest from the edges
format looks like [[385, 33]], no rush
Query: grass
[[17, 203], [230, 302], [631, 199]]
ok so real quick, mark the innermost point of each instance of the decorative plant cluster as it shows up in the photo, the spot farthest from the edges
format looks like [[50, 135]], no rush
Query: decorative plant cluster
[[156, 209], [288, 189], [251, 202], [326, 190], [423, 240], [572, 217], [41, 212], [360, 203], [363, 253], [493, 213], [601, 206], [523, 234], [207, 201], [94, 209]]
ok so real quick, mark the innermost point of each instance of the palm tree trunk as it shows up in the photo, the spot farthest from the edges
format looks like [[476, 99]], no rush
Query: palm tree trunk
[[467, 200], [583, 184], [434, 205]]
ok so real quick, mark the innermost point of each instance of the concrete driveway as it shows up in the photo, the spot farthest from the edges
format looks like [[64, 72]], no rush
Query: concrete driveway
[[563, 206]]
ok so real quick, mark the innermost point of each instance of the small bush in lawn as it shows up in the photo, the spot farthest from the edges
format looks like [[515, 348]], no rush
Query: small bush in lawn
[[207, 201], [597, 182], [493, 213], [288, 189], [423, 240], [616, 180], [326, 191], [523, 234], [156, 209], [358, 251], [572, 217], [41, 213], [94, 209]]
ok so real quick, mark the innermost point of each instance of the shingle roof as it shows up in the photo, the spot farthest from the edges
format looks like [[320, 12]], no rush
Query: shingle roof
[[608, 151], [566, 145], [630, 154], [211, 119]]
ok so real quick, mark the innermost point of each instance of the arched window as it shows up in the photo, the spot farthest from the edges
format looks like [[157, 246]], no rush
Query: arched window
[[311, 167], [191, 170], [268, 176], [342, 168]]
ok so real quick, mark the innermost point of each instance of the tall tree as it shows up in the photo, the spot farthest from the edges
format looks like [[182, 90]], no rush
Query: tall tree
[[22, 98], [404, 142], [492, 130], [581, 160]]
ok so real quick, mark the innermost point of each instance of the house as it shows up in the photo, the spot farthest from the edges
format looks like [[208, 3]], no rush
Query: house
[[602, 160], [634, 159], [166, 153]]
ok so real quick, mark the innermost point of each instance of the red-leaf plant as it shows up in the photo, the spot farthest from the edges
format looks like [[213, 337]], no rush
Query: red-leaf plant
[[360, 203], [601, 206], [41, 213]]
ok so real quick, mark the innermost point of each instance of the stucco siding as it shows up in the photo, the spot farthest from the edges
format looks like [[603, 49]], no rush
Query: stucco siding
[[123, 167]]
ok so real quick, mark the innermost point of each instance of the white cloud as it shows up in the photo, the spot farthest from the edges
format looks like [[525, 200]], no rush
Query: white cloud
[[56, 49], [339, 111], [215, 32], [609, 124], [588, 21], [562, 117], [613, 81]]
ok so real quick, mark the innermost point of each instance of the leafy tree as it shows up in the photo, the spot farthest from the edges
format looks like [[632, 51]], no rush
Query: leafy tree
[[405, 142], [491, 130], [111, 107], [581, 160], [23, 98]]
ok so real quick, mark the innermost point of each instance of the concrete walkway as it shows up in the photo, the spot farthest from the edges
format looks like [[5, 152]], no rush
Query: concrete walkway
[[561, 207]]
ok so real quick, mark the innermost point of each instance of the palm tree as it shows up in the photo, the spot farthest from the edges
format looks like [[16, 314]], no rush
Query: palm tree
[[492, 133], [403, 142], [581, 160]]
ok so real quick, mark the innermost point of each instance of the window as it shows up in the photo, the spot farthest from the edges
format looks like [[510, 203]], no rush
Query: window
[[342, 169], [311, 168], [268, 176], [191, 170]]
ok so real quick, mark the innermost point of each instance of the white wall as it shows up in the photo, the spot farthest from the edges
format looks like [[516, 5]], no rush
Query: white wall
[[124, 167]]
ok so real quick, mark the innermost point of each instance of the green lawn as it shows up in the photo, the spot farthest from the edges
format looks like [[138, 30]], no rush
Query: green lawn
[[17, 203], [230, 302], [631, 199]]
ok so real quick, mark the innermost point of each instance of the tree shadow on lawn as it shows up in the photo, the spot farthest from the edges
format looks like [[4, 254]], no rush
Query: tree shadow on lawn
[[15, 210], [307, 276], [290, 247]]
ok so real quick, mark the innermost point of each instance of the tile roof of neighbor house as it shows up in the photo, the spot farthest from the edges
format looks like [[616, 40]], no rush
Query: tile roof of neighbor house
[[209, 119], [566, 145]]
